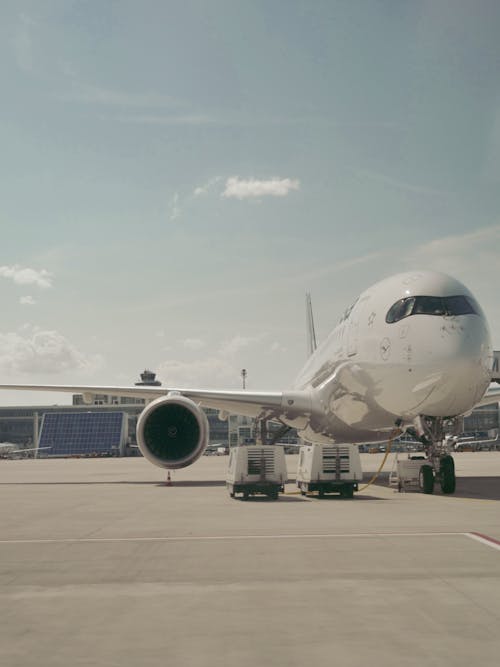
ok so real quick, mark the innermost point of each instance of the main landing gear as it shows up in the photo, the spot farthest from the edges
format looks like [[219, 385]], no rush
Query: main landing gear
[[439, 467]]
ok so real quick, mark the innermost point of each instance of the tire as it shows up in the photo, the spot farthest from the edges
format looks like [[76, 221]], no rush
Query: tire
[[426, 479], [447, 474], [347, 492], [321, 493], [245, 495]]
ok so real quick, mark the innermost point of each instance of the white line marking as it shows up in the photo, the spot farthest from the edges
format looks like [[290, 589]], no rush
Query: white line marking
[[207, 538], [490, 542]]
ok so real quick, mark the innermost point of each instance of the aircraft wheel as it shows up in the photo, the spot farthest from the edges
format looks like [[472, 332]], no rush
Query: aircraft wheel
[[447, 474], [426, 479]]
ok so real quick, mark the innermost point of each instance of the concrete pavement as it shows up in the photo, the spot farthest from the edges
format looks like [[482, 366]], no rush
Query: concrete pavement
[[102, 564]]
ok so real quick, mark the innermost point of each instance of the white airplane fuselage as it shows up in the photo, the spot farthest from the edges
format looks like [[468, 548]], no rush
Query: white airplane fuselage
[[370, 372]]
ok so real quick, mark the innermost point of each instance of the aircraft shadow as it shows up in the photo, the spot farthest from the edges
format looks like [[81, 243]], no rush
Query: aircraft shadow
[[335, 497], [479, 488], [194, 483], [482, 488], [283, 498]]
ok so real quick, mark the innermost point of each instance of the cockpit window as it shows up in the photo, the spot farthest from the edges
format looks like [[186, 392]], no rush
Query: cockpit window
[[430, 305], [400, 309]]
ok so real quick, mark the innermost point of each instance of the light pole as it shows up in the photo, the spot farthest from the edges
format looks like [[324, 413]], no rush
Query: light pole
[[244, 378]]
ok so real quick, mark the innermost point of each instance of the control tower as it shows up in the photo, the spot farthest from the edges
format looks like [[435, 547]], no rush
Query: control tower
[[148, 379]]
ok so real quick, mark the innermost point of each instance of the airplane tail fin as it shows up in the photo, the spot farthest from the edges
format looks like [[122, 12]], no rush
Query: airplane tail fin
[[311, 333]]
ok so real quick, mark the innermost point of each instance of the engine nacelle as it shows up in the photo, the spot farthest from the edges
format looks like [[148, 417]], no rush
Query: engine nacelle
[[172, 431]]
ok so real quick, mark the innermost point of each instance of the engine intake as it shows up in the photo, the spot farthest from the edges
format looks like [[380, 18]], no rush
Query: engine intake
[[172, 432]]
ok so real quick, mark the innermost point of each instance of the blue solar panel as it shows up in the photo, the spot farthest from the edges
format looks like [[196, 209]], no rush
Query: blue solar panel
[[81, 433]]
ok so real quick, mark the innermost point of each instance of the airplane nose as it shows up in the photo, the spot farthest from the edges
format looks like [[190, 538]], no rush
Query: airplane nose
[[458, 356]]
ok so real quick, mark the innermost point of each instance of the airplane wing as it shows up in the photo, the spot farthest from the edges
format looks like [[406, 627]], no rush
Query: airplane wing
[[493, 393], [492, 396], [30, 449], [250, 404]]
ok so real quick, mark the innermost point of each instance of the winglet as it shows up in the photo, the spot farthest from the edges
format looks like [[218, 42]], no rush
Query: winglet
[[311, 334]]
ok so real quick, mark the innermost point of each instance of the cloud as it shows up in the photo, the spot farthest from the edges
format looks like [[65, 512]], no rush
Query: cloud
[[212, 372], [398, 184], [221, 370], [26, 276], [193, 344], [337, 267], [251, 188], [42, 352], [465, 253], [234, 345], [27, 301], [168, 119], [174, 208], [204, 189], [89, 94]]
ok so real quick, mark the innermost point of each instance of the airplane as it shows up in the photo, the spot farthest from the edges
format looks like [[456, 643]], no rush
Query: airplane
[[413, 353], [9, 448]]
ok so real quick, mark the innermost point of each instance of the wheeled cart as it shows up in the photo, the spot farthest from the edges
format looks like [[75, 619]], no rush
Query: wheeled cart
[[329, 469], [420, 473], [256, 469]]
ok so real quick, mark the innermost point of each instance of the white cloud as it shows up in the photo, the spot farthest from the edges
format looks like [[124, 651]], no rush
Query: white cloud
[[234, 345], [193, 344], [212, 372], [222, 370], [42, 352], [462, 253], [251, 188], [27, 301], [204, 189], [89, 94], [174, 208], [26, 276], [170, 119], [398, 184]]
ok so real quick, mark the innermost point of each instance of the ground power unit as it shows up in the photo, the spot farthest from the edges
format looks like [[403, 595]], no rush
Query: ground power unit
[[329, 469], [256, 469]]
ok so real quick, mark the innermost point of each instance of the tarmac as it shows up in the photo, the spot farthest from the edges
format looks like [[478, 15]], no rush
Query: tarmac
[[102, 563]]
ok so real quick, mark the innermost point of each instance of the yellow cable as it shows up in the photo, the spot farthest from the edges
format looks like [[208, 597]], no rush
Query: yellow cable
[[394, 434]]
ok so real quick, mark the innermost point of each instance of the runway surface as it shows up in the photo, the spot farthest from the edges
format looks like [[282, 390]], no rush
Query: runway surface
[[101, 563]]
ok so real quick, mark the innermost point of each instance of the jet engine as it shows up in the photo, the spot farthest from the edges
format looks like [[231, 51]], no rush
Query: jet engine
[[172, 431]]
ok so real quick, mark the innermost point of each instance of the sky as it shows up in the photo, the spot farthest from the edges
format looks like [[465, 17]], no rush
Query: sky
[[174, 176]]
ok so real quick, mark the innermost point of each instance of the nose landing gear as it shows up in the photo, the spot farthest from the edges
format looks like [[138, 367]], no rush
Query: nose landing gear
[[447, 474], [434, 433]]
